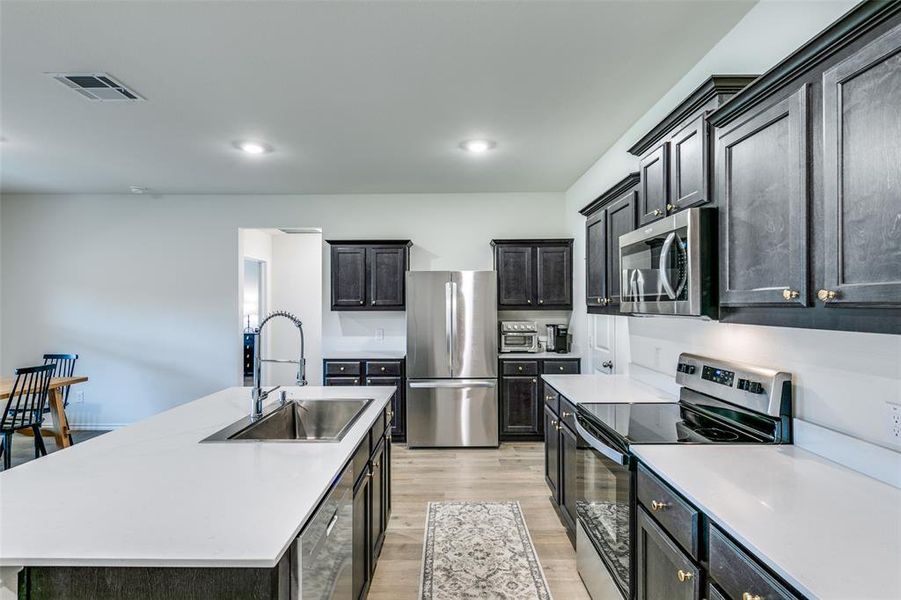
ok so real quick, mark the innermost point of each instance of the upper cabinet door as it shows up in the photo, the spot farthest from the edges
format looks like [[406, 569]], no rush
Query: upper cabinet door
[[514, 268], [596, 259], [620, 220], [761, 184], [387, 268], [348, 276], [653, 191], [689, 166], [862, 176], [554, 276]]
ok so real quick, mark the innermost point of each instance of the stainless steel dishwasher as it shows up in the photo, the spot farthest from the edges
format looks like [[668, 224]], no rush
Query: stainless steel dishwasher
[[322, 556]]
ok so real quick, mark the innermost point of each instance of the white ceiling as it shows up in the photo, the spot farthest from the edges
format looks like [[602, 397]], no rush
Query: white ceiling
[[354, 97]]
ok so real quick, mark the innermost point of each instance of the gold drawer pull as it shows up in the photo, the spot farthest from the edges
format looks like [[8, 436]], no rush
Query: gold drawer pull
[[383, 369], [790, 294], [750, 596], [340, 368], [561, 368], [684, 575], [534, 381], [520, 368], [826, 295], [565, 414], [655, 506], [549, 398]]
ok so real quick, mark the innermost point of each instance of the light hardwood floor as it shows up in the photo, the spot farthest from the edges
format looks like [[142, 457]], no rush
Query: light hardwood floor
[[512, 472]]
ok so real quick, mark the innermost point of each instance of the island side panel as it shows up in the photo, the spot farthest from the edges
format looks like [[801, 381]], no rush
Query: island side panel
[[154, 583]]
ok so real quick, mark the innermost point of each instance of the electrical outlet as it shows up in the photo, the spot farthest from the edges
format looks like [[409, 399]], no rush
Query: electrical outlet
[[380, 334], [79, 397], [893, 422]]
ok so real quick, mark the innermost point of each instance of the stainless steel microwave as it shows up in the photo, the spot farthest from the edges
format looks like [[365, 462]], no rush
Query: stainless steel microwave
[[669, 266]]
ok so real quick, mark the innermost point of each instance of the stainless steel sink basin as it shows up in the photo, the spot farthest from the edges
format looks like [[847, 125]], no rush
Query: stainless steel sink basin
[[297, 421]]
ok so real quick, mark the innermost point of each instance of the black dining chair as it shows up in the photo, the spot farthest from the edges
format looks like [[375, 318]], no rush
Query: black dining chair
[[64, 366], [25, 409]]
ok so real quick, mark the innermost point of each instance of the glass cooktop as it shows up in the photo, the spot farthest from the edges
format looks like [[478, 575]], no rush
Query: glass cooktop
[[663, 423]]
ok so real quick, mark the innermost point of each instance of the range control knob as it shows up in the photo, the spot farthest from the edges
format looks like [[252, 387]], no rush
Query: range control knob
[[685, 368]]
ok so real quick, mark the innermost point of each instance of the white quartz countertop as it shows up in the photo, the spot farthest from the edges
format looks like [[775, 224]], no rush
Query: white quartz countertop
[[367, 354], [151, 495], [538, 355], [829, 531], [623, 389]]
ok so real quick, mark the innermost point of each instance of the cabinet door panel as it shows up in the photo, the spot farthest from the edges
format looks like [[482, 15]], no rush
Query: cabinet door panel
[[568, 476], [554, 276], [361, 537], [653, 191], [397, 405], [596, 259], [376, 507], [551, 453], [520, 406], [689, 165], [620, 220], [663, 570], [514, 268], [762, 188], [348, 271], [387, 268], [862, 171]]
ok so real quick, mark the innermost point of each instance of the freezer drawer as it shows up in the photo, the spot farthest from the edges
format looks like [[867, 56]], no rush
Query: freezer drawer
[[452, 413]]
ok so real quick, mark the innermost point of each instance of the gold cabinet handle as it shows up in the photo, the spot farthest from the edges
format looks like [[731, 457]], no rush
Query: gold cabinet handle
[[369, 381], [361, 302], [554, 422], [826, 295], [670, 207], [565, 414], [657, 212], [541, 302], [383, 369], [548, 397], [657, 506], [790, 294], [534, 381], [597, 300], [340, 368], [528, 301], [684, 575], [750, 596], [561, 368]]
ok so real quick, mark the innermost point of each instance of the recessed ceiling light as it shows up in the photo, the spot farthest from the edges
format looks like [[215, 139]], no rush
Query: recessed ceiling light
[[255, 148], [477, 146]]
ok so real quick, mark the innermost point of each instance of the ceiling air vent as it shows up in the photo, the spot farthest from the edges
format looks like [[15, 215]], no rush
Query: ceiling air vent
[[97, 86]]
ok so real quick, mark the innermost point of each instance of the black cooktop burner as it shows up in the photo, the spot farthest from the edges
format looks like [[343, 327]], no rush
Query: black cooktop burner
[[662, 423]]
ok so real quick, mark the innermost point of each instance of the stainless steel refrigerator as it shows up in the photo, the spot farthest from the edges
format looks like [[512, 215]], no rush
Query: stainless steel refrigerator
[[451, 359]]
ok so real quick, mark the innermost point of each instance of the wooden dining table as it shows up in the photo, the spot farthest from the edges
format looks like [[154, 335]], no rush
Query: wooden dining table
[[57, 385]]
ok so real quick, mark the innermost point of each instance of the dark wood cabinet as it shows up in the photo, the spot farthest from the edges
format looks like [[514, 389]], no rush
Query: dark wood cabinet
[[533, 274], [663, 570], [612, 214], [521, 395], [596, 267], [738, 574], [515, 272], [569, 464], [554, 276], [361, 528], [377, 521], [862, 176], [690, 166], [368, 274], [653, 191], [369, 371], [348, 277], [762, 189], [520, 407], [551, 452], [806, 178]]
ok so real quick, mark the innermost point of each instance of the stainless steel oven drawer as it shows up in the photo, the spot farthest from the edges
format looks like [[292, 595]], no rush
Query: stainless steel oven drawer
[[679, 518]]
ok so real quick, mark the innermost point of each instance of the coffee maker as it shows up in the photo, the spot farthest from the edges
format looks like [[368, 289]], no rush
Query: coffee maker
[[558, 339]]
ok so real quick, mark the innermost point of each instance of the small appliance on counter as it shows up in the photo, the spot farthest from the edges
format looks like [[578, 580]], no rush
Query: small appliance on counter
[[519, 336], [559, 339]]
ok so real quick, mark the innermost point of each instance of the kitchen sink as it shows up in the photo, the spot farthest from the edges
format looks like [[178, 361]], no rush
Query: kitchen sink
[[297, 421]]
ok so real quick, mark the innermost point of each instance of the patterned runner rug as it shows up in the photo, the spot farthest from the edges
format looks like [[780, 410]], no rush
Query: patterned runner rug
[[479, 550]]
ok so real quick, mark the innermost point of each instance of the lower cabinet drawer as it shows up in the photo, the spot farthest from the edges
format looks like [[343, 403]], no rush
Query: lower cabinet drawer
[[519, 367], [679, 518], [568, 413], [560, 367], [551, 398], [383, 368], [739, 575], [342, 367], [360, 458], [342, 381]]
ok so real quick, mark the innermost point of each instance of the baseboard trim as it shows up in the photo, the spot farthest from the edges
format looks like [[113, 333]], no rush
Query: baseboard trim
[[864, 457]]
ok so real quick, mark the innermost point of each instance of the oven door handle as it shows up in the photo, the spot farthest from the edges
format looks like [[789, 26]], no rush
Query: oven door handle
[[599, 446]]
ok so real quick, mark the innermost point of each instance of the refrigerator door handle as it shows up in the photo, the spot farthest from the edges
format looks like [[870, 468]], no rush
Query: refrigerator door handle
[[449, 325], [453, 383], [453, 321]]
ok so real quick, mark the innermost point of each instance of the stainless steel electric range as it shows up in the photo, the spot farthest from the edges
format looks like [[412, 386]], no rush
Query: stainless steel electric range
[[720, 402]]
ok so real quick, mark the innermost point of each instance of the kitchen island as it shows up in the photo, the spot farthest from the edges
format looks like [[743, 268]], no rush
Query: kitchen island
[[151, 505]]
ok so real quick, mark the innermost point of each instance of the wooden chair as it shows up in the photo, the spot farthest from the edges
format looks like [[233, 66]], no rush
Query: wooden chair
[[64, 366], [25, 409]]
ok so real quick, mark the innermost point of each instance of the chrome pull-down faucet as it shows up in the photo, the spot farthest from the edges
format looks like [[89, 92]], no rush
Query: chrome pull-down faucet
[[257, 395]]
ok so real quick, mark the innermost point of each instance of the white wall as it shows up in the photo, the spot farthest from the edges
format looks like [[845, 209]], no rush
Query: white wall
[[149, 291], [843, 379]]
